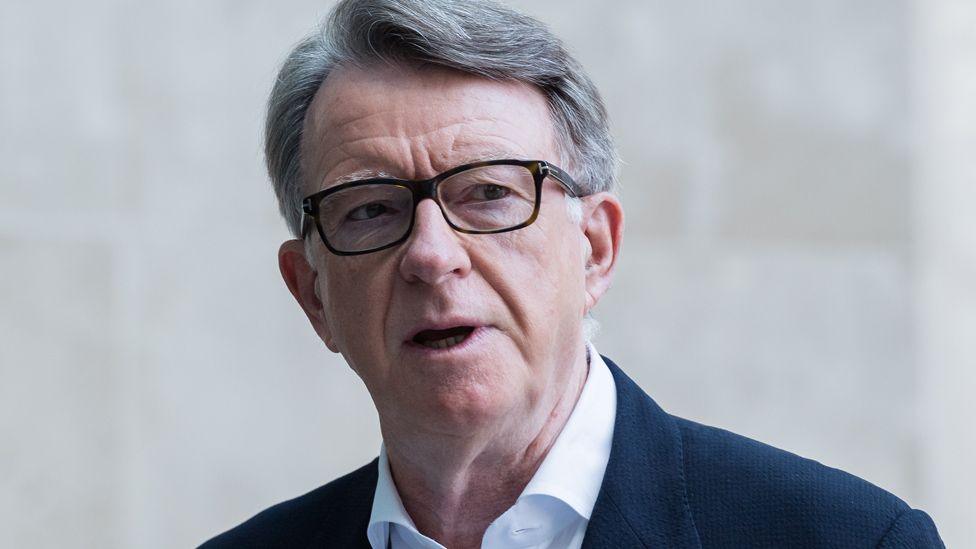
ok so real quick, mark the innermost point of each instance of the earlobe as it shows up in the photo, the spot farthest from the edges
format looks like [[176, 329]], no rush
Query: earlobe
[[603, 229], [302, 281]]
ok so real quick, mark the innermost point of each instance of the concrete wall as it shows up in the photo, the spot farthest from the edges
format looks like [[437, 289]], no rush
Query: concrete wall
[[798, 264], [944, 266]]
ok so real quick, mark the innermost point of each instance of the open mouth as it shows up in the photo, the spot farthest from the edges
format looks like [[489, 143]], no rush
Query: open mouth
[[443, 339]]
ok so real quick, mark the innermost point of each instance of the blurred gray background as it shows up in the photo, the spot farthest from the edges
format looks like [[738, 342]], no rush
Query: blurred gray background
[[799, 264]]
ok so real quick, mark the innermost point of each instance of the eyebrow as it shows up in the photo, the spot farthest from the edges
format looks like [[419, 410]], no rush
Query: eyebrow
[[359, 174], [370, 173]]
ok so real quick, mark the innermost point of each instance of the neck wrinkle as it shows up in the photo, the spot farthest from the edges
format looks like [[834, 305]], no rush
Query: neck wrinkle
[[454, 501]]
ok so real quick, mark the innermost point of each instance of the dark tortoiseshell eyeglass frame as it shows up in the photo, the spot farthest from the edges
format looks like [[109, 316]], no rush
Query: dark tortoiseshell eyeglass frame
[[427, 188]]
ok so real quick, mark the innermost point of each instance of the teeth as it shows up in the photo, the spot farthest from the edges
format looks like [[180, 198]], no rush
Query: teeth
[[445, 343]]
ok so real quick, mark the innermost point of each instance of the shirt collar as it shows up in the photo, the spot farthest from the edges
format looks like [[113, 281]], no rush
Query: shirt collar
[[572, 471], [388, 508]]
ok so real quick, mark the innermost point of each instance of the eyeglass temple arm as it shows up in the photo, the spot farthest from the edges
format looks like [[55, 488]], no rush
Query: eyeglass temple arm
[[563, 178], [306, 211]]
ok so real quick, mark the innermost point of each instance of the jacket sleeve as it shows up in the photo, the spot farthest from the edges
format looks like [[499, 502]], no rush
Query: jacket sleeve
[[913, 529]]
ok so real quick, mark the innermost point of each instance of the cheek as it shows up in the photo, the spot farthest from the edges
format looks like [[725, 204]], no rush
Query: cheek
[[355, 301], [539, 272], [554, 251]]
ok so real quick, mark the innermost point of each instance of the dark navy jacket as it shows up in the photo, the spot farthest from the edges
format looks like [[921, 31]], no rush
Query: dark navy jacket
[[670, 483]]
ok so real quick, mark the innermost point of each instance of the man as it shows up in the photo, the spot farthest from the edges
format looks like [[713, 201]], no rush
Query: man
[[447, 170]]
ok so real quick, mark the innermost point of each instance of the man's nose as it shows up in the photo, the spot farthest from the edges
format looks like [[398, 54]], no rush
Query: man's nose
[[433, 251]]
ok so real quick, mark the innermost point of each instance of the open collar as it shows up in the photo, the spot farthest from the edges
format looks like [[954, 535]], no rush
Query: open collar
[[571, 473]]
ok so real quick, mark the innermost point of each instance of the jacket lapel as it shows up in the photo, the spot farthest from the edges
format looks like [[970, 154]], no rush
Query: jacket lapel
[[642, 501], [344, 522]]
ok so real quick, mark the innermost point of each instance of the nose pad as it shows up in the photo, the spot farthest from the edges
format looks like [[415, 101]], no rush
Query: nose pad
[[433, 249]]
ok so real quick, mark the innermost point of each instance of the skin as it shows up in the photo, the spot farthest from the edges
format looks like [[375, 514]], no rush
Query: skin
[[464, 429]]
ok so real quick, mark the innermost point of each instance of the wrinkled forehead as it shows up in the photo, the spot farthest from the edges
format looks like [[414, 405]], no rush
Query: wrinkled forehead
[[369, 173], [389, 121]]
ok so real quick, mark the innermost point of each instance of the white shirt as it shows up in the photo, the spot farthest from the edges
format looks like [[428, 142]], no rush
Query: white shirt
[[555, 506]]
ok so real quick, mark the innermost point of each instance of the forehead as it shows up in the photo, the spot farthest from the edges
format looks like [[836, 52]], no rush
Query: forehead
[[413, 123]]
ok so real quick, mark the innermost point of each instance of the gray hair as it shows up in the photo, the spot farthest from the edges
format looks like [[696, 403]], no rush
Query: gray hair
[[478, 37]]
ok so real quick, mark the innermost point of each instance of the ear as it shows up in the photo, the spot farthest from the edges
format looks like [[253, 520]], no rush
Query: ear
[[603, 229], [302, 280]]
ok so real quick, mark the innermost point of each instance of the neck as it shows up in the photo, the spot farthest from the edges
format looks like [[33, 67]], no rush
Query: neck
[[454, 487]]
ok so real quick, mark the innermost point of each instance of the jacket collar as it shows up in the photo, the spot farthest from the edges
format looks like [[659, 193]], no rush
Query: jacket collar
[[642, 501]]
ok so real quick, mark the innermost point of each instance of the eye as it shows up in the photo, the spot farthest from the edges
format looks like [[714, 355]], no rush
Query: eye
[[368, 211], [490, 191]]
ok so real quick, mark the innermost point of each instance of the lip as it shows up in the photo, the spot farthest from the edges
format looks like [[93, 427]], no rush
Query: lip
[[475, 337], [441, 324]]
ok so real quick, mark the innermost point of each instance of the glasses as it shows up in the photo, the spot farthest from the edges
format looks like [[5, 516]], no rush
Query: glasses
[[493, 196]]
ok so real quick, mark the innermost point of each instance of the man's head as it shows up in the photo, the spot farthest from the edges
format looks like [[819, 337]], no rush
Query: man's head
[[409, 90], [471, 36]]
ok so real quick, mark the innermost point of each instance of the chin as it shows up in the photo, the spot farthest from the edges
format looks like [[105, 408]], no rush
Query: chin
[[467, 406]]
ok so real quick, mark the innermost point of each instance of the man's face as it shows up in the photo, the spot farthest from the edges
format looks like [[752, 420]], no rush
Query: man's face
[[518, 296]]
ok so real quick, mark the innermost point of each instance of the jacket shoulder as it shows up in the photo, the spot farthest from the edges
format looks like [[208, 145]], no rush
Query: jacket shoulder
[[335, 509], [746, 493]]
